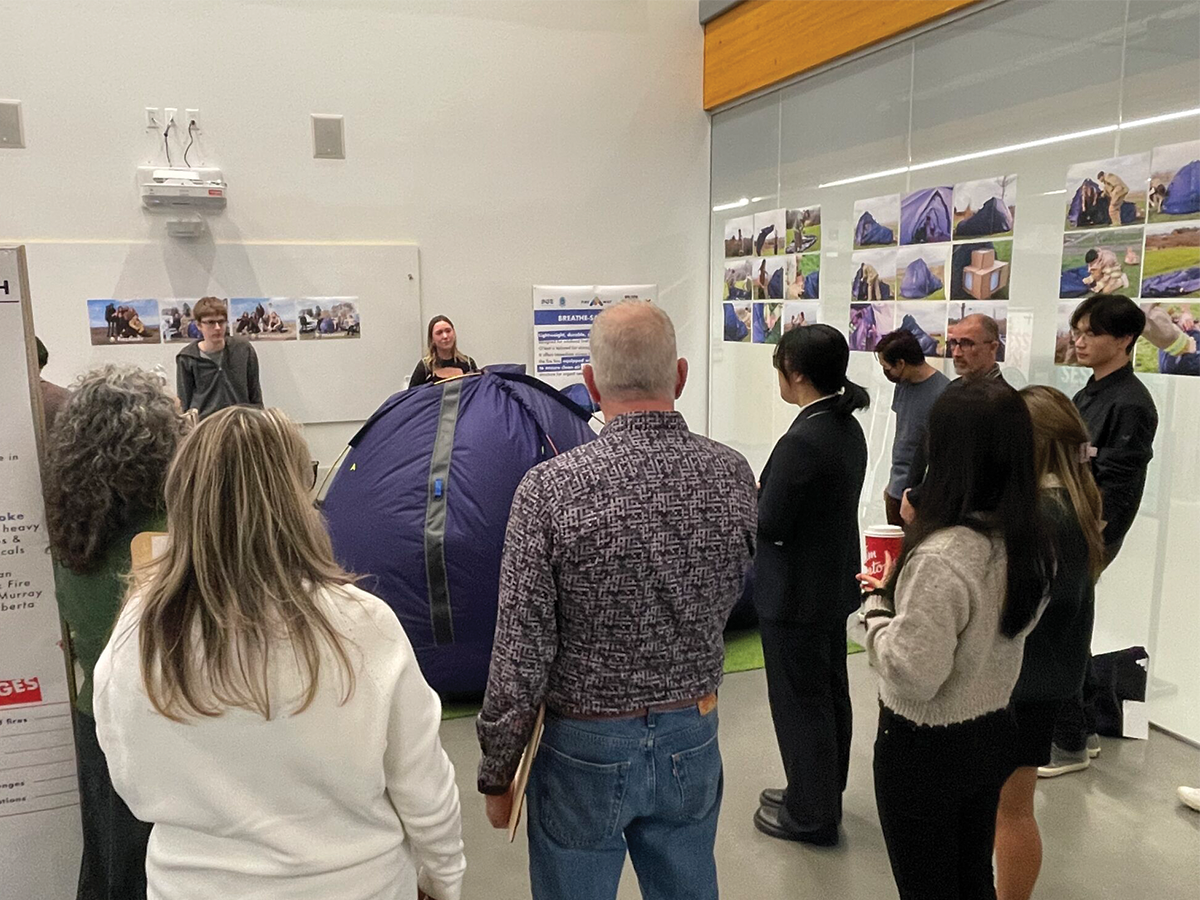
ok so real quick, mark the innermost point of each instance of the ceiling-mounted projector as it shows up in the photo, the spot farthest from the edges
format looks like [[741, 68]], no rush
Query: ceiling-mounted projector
[[199, 189]]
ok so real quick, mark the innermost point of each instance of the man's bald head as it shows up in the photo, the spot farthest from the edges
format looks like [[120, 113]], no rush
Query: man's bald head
[[633, 353]]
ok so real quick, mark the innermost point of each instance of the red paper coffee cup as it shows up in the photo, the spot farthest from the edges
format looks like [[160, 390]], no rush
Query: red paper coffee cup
[[882, 541]]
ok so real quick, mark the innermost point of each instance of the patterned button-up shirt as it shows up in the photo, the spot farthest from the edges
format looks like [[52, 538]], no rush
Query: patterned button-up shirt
[[622, 561]]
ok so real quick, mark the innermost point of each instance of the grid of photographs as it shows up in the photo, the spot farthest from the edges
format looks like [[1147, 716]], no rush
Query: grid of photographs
[[1132, 227], [772, 274], [136, 322], [922, 258]]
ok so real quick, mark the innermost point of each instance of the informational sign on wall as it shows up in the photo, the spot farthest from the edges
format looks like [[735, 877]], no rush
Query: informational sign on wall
[[39, 793], [562, 325]]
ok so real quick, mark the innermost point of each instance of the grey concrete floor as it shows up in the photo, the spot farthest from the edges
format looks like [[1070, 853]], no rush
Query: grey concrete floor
[[1114, 830]]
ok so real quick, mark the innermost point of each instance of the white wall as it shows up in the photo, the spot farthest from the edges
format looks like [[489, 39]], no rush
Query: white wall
[[514, 142]]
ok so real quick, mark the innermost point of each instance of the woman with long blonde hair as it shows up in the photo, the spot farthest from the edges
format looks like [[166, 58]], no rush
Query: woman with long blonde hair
[[1057, 650], [442, 359], [264, 713], [107, 459]]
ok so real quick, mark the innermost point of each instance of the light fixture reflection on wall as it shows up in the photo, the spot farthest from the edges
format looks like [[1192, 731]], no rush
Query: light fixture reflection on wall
[[721, 207], [1025, 145]]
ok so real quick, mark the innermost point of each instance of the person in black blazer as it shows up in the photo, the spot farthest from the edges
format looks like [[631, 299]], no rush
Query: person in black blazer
[[804, 582]]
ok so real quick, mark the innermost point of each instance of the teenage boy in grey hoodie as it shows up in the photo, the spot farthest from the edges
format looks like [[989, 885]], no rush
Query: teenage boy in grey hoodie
[[216, 371]]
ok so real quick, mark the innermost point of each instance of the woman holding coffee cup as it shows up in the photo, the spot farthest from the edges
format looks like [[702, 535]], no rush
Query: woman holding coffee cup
[[804, 588], [1057, 650], [946, 632]]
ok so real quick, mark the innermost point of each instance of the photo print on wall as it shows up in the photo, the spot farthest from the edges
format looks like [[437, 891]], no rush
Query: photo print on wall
[[926, 216], [876, 221], [800, 312], [736, 283], [328, 318], [739, 240], [921, 272], [770, 232], [1108, 261], [986, 208], [766, 323], [803, 230], [1107, 193], [874, 276], [1174, 182], [178, 324], [766, 277], [737, 322], [263, 318], [112, 321]]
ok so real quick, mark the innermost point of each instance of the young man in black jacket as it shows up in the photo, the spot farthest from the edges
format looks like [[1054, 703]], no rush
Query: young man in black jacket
[[216, 371], [1121, 419]]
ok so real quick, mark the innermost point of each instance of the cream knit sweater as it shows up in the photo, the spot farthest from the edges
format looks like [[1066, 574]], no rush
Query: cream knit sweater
[[942, 658]]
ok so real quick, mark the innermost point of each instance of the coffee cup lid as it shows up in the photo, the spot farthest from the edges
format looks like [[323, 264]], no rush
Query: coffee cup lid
[[885, 531]]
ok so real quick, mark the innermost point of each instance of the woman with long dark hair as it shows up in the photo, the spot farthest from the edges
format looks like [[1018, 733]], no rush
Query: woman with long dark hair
[[106, 463], [442, 359], [1057, 650], [946, 635], [804, 582]]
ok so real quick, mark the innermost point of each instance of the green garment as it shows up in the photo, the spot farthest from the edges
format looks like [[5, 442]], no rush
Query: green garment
[[89, 603]]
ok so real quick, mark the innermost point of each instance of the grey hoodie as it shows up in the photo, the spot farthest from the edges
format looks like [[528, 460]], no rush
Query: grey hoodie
[[206, 387]]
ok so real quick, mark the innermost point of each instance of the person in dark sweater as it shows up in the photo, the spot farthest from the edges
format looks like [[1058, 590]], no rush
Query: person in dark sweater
[[804, 582], [216, 371], [1121, 420], [442, 359], [107, 459], [54, 397], [1057, 650]]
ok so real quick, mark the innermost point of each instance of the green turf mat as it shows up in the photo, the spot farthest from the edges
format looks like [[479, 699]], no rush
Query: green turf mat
[[743, 653]]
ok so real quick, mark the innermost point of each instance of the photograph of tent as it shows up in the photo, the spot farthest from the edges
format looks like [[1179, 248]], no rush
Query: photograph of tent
[[328, 318], [738, 238], [803, 230], [869, 322], [1171, 320], [921, 271], [998, 312], [980, 270], [737, 322], [766, 277], [766, 323], [1107, 192], [874, 276], [1064, 341], [985, 208], [926, 216], [1172, 264], [1175, 182], [927, 323], [1101, 262], [876, 221], [769, 232], [736, 284], [802, 276], [800, 313], [123, 322]]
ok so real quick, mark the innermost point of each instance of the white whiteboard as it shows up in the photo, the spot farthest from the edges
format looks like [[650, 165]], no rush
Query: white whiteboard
[[313, 381]]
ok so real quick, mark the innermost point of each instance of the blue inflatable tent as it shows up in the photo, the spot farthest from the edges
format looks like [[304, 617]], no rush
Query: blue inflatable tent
[[1097, 213], [419, 507], [1070, 283], [1173, 284], [868, 232], [812, 285], [860, 289], [918, 282], [929, 345], [1183, 193], [925, 217]]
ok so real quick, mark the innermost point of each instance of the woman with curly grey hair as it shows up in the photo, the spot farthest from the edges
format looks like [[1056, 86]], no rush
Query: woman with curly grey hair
[[107, 459]]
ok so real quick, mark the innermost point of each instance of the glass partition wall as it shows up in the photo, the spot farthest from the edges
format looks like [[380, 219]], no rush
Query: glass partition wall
[[1020, 88]]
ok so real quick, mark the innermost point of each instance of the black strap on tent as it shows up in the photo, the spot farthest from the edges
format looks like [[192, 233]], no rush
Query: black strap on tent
[[435, 515]]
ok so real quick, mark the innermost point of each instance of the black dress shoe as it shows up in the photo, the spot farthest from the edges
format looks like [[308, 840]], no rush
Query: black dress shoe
[[767, 820], [772, 797]]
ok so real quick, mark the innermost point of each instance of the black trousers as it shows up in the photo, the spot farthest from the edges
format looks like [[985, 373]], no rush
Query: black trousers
[[937, 790], [809, 692], [114, 842]]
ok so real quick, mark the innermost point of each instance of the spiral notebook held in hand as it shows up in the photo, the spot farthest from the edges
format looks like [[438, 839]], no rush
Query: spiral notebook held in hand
[[521, 779]]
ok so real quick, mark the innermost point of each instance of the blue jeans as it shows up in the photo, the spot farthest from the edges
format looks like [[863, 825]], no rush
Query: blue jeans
[[651, 784]]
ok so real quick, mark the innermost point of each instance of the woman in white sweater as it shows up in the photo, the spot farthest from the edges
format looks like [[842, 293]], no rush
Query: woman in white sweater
[[267, 716], [946, 635]]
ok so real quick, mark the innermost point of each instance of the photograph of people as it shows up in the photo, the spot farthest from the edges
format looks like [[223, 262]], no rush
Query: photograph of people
[[218, 370], [1101, 262], [121, 421], [263, 318], [123, 322], [442, 357], [246, 742], [738, 238], [946, 630], [804, 582], [178, 324], [1107, 192], [1175, 182], [1170, 343]]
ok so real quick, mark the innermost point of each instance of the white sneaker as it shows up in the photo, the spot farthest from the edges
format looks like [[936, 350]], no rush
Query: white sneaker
[[1063, 761], [1093, 745], [1190, 797]]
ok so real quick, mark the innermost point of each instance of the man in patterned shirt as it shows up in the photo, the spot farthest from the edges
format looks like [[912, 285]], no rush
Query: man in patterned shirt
[[622, 561]]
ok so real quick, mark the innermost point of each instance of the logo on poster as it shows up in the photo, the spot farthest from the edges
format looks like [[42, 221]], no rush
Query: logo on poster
[[20, 690]]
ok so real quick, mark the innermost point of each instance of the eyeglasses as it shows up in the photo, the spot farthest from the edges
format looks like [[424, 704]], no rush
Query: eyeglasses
[[215, 322], [964, 344]]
